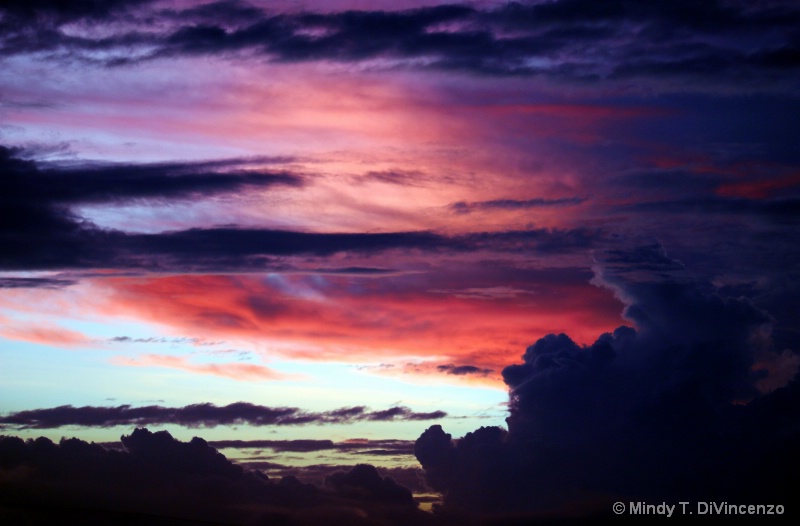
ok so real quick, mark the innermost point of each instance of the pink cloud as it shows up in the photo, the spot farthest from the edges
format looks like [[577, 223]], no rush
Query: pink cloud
[[45, 334], [355, 320], [235, 371]]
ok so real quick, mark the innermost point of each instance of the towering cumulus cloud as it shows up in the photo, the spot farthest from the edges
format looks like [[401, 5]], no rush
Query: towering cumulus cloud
[[668, 410]]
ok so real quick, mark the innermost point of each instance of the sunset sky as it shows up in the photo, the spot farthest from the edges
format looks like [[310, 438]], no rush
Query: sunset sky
[[342, 220]]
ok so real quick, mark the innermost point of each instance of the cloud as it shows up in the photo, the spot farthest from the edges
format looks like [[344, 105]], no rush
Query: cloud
[[44, 333], [669, 409], [372, 321], [104, 184], [303, 446], [47, 186], [357, 446], [156, 478], [53, 12], [396, 177], [461, 370], [410, 477], [464, 207], [41, 283], [403, 413], [128, 339], [203, 415], [486, 293], [363, 480], [39, 228], [711, 42]]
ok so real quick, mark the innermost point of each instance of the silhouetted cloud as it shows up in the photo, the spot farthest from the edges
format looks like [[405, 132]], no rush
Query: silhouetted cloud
[[157, 479], [202, 415], [668, 410], [364, 480]]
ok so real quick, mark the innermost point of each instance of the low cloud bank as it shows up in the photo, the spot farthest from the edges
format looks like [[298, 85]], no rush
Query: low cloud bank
[[156, 479]]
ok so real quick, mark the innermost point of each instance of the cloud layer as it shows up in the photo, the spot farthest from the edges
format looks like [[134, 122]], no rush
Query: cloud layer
[[574, 40]]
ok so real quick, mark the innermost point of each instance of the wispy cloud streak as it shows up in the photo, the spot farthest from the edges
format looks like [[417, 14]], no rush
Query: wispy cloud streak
[[204, 415]]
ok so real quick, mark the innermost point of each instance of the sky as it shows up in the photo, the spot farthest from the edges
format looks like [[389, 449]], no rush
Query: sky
[[519, 256]]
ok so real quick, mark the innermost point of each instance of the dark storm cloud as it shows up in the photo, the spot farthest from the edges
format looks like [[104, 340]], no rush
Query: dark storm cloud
[[155, 479], [666, 411], [754, 44], [464, 207], [202, 415]]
